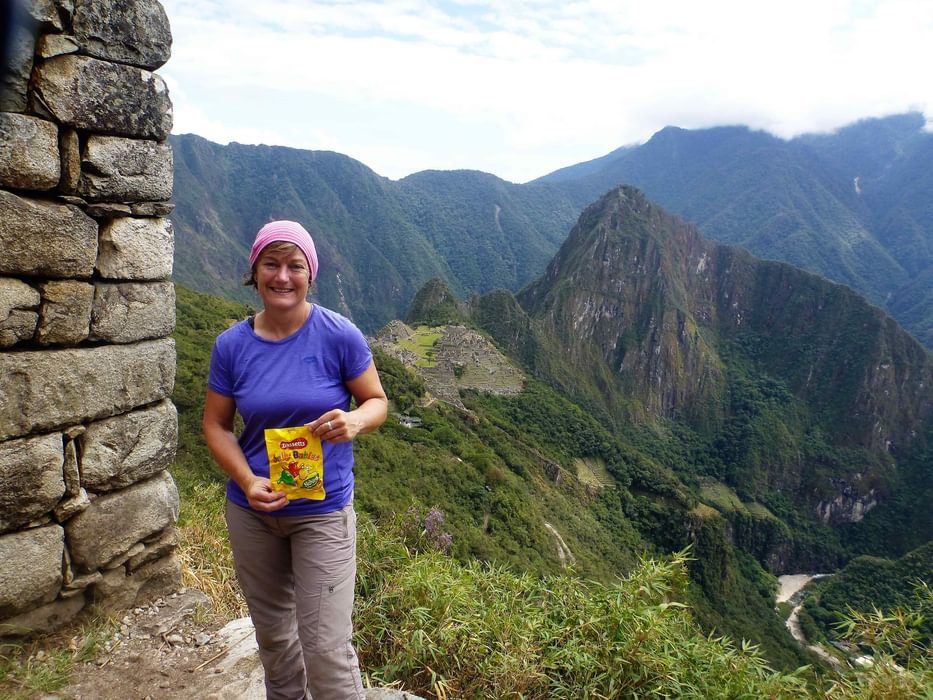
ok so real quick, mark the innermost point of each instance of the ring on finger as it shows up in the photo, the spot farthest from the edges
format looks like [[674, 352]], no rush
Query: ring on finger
[[330, 425]]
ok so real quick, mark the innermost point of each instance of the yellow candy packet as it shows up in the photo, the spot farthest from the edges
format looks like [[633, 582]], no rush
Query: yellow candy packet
[[296, 462]]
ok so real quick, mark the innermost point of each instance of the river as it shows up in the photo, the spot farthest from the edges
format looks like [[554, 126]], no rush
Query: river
[[791, 591]]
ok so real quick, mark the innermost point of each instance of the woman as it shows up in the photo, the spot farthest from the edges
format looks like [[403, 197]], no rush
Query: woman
[[293, 364]]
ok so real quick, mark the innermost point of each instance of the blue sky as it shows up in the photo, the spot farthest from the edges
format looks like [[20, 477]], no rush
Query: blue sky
[[521, 88]]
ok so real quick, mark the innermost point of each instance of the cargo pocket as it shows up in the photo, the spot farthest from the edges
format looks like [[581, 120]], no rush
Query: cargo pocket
[[335, 627]]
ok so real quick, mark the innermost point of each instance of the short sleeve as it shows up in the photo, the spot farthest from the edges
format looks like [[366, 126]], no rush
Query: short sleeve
[[357, 355], [219, 377]]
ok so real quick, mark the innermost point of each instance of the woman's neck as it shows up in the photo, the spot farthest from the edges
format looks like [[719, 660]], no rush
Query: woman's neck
[[275, 325]]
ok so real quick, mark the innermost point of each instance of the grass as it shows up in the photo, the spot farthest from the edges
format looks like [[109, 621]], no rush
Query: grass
[[480, 631], [204, 548], [44, 665], [422, 343], [704, 511]]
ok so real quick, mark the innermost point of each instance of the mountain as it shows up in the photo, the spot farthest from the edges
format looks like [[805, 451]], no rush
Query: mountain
[[852, 206], [758, 412], [378, 240], [791, 384]]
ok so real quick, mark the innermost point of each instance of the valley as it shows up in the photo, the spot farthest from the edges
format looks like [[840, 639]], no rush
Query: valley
[[629, 389]]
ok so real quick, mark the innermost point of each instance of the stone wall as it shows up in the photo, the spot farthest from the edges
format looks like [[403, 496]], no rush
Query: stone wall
[[87, 430]]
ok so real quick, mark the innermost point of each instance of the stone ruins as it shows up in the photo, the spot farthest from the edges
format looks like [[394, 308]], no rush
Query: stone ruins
[[87, 430]]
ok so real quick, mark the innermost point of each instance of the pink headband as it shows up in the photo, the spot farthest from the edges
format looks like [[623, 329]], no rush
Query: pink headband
[[290, 232]]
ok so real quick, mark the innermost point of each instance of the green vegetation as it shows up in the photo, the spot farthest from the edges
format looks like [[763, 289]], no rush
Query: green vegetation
[[446, 629], [42, 666], [866, 586]]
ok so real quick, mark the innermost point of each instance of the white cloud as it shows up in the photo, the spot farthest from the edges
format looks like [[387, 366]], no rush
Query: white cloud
[[519, 88]]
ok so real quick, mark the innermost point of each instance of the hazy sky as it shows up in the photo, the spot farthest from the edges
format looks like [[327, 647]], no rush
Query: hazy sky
[[521, 88]]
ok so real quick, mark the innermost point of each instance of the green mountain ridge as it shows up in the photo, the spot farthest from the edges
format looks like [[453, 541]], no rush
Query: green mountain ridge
[[852, 206], [689, 463], [378, 240]]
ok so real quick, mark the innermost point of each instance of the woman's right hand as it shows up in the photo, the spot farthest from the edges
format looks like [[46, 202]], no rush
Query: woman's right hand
[[261, 497]]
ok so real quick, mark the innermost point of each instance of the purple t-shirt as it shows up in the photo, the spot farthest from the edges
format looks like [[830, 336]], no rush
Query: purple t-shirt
[[290, 382]]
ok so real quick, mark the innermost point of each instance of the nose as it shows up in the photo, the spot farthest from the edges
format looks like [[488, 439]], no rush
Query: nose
[[281, 273]]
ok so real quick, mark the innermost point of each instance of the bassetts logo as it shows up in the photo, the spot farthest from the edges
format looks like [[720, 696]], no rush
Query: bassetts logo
[[293, 444]]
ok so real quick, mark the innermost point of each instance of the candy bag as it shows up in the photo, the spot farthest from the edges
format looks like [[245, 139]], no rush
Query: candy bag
[[296, 462]]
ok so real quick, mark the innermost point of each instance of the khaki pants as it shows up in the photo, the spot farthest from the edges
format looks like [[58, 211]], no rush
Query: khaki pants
[[298, 575]]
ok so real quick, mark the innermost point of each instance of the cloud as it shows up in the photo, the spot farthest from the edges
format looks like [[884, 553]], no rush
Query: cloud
[[522, 85]]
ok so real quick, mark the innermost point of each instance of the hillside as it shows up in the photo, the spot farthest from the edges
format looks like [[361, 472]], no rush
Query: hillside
[[504, 472], [378, 240], [867, 584]]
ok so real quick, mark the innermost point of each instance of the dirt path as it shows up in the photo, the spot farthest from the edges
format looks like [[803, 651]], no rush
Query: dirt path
[[165, 652]]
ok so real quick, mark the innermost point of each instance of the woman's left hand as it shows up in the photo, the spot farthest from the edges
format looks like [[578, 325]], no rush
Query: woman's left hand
[[336, 426], [372, 405]]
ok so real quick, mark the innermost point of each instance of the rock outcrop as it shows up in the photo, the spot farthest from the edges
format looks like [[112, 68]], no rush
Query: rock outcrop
[[87, 430]]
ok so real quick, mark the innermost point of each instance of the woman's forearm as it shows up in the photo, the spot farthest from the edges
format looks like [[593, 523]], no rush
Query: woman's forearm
[[229, 456], [369, 415]]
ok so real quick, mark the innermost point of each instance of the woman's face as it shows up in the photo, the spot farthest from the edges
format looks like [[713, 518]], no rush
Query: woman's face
[[282, 278]]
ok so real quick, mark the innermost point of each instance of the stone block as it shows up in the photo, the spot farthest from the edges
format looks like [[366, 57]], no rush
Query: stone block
[[31, 478], [65, 317], [50, 45], [119, 561], [109, 98], [152, 208], [30, 568], [158, 579], [29, 157], [71, 506], [136, 32], [79, 583], [116, 521], [45, 13], [69, 146], [136, 249], [44, 239], [125, 449], [16, 294], [40, 391], [156, 549], [108, 210], [70, 469], [18, 325], [18, 319], [117, 591], [127, 170], [47, 618], [130, 311]]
